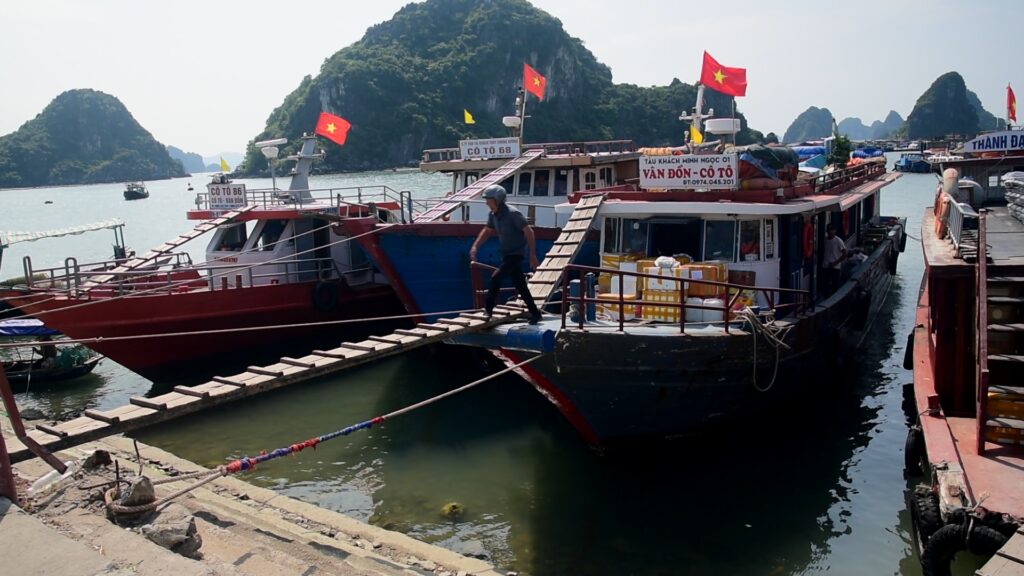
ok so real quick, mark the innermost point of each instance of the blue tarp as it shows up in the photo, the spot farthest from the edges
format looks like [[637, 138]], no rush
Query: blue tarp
[[25, 327], [867, 153], [818, 162], [805, 152]]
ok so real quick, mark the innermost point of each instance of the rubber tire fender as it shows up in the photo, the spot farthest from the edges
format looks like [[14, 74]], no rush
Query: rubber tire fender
[[325, 296], [924, 509], [952, 538], [913, 451]]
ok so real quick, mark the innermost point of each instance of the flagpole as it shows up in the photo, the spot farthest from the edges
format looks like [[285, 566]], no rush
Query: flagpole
[[733, 118], [522, 121]]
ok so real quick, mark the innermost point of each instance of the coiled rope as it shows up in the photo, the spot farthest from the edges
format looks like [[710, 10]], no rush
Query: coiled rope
[[774, 334], [246, 464]]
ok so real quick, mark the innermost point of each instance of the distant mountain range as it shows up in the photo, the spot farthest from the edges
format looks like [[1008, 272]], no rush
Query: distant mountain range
[[82, 137], [946, 107]]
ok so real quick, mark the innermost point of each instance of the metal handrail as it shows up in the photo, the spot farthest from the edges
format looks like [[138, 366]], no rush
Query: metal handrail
[[959, 218], [550, 148], [267, 197], [982, 375], [681, 305]]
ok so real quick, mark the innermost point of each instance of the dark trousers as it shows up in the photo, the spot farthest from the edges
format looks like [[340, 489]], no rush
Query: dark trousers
[[511, 266], [832, 279]]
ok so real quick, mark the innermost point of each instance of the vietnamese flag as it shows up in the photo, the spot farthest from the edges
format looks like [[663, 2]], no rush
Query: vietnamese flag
[[533, 82], [1011, 104], [731, 81], [334, 128]]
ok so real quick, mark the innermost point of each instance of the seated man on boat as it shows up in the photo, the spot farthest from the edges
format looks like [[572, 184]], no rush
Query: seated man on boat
[[47, 351], [514, 237], [832, 258]]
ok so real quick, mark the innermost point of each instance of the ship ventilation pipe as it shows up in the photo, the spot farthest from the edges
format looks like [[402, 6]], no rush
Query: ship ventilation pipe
[[971, 192]]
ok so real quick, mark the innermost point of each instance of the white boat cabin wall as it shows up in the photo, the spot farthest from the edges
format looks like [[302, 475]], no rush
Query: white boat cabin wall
[[535, 192], [294, 250]]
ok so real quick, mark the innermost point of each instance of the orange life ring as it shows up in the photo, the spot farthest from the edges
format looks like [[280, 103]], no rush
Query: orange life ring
[[446, 217], [808, 239], [941, 220]]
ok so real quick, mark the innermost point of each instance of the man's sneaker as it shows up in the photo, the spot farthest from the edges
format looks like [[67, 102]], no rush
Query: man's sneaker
[[535, 317]]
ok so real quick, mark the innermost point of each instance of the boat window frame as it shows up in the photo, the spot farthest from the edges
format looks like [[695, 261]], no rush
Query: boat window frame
[[255, 243], [735, 231]]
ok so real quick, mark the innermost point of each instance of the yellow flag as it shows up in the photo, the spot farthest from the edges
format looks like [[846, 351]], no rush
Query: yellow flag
[[695, 136], [467, 117], [224, 165]]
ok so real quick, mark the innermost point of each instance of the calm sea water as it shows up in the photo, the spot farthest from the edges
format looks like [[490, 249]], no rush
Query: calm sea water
[[816, 490]]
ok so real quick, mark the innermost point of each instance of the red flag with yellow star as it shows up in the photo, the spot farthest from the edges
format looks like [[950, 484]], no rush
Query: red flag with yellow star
[[731, 81], [334, 128], [1011, 104], [533, 82]]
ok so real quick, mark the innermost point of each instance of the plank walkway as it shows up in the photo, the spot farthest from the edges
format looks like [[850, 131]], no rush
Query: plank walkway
[[183, 400], [142, 412], [1009, 560], [449, 204]]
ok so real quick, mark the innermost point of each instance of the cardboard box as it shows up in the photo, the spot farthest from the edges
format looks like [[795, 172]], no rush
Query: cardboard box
[[656, 313], [629, 283], [608, 306], [666, 278], [702, 272]]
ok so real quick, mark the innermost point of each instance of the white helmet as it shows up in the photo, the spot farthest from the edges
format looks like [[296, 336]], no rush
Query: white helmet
[[495, 191]]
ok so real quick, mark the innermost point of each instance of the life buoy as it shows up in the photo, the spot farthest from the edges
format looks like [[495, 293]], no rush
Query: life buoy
[[325, 296], [446, 217], [808, 240]]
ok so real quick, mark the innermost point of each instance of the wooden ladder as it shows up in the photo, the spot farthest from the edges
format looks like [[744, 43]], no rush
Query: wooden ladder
[[446, 206], [548, 277], [1004, 403], [139, 261]]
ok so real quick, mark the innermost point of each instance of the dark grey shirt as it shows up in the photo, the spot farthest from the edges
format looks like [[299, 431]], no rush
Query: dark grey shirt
[[509, 224]]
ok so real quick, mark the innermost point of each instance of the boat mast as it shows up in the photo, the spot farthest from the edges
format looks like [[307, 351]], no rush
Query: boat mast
[[697, 118], [299, 187]]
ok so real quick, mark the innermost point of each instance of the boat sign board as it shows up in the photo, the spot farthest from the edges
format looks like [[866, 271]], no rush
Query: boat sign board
[[710, 171], [226, 196], [1005, 141], [489, 148]]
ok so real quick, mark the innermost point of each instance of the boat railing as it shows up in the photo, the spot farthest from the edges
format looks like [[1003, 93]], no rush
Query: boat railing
[[529, 209], [733, 291], [832, 181], [479, 276], [961, 217], [68, 276], [981, 337], [345, 198], [184, 276], [550, 149]]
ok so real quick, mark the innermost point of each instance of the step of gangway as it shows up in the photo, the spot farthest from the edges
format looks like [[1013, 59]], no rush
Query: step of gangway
[[141, 412]]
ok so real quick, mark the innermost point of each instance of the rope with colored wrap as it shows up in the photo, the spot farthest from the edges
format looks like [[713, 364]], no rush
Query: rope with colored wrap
[[246, 463]]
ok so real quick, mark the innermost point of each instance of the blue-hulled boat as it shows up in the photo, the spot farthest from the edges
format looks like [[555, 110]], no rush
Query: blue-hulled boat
[[913, 162]]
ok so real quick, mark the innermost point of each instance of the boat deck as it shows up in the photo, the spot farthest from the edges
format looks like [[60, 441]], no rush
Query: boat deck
[[1005, 244], [997, 474]]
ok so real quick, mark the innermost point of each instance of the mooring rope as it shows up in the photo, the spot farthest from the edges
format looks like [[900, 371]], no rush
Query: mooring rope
[[773, 334], [246, 464], [98, 339]]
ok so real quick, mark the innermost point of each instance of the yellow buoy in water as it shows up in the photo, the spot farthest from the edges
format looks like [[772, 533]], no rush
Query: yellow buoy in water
[[452, 510]]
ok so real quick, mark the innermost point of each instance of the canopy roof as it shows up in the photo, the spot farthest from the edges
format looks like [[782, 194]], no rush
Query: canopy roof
[[8, 238]]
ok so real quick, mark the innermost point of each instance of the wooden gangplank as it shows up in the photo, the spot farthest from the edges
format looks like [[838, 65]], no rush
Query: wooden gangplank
[[446, 206], [548, 276], [142, 412], [165, 248], [1009, 560]]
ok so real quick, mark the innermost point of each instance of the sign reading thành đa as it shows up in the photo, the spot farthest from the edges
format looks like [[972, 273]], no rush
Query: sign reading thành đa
[[226, 196], [1005, 141], [690, 171]]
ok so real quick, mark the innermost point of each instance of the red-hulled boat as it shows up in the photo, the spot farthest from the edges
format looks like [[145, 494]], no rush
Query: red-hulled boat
[[967, 441], [275, 258]]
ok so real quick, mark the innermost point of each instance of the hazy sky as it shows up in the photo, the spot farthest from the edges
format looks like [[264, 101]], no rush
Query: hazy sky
[[204, 76]]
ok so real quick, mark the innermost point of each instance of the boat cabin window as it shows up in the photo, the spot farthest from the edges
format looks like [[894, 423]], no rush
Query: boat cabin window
[[607, 177], [269, 234], [525, 179], [541, 182], [561, 182], [232, 238], [507, 184], [720, 240], [676, 236], [611, 235], [750, 240], [634, 235], [589, 179]]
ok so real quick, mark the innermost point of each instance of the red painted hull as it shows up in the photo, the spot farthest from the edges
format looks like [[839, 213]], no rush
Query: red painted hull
[[166, 357]]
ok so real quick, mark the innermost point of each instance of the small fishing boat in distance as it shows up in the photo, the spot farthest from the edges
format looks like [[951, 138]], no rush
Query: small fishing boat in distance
[[50, 361], [135, 191]]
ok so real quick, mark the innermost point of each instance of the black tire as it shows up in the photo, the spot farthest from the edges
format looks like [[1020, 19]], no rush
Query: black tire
[[908, 353], [913, 451], [924, 508], [861, 309], [894, 257], [325, 296], [952, 538]]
